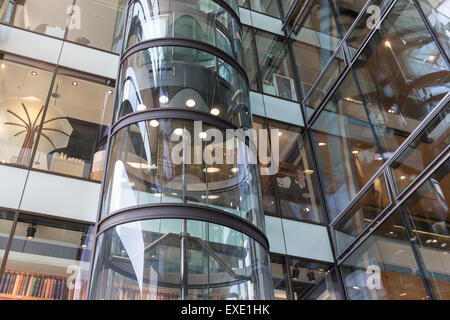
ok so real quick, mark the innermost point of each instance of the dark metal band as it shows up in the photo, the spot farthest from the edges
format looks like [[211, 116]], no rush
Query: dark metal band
[[221, 3], [180, 42], [170, 113], [183, 211]]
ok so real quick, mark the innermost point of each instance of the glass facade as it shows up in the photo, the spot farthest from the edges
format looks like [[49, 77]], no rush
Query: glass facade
[[99, 110]]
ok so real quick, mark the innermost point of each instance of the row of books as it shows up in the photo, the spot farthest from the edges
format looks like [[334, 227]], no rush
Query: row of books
[[35, 285], [135, 294]]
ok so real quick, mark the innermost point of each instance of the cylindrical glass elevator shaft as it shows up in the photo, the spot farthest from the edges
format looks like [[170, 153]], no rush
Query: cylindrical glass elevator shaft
[[181, 215]]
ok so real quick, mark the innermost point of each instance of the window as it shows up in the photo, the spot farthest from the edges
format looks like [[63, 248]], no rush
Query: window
[[251, 61], [48, 259], [88, 22], [437, 15], [24, 90], [427, 211], [422, 150], [6, 223], [361, 214], [280, 277], [316, 39], [402, 75], [75, 128], [296, 181], [269, 7], [346, 152], [275, 65], [383, 267], [305, 275]]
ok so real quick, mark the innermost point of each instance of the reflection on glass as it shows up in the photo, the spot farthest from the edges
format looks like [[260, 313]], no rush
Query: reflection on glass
[[74, 134], [402, 75], [296, 181], [142, 261], [6, 222], [428, 211], [373, 202], [49, 259], [305, 276], [347, 155], [316, 39], [23, 92], [156, 161], [383, 266], [275, 65], [34, 15], [267, 181], [331, 74], [280, 277], [437, 13], [326, 289], [182, 77], [269, 7], [201, 20], [347, 11], [88, 22], [95, 23], [363, 26], [433, 139], [251, 62]]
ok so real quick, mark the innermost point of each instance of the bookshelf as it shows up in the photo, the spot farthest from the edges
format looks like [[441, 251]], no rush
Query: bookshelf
[[15, 285]]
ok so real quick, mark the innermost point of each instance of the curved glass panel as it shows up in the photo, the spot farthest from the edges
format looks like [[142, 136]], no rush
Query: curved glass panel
[[201, 20], [143, 260], [182, 77], [181, 161]]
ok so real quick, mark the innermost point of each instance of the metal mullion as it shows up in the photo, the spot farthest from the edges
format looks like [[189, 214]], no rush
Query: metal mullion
[[325, 69], [417, 255], [397, 205], [399, 150], [259, 86], [290, 54], [9, 243], [290, 293]]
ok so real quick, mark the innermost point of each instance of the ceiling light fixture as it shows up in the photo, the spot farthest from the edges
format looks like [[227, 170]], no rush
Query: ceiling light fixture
[[355, 151], [141, 107], [3, 66], [154, 123], [178, 131], [163, 99], [211, 170], [33, 73], [31, 231], [74, 83], [321, 144], [190, 103], [215, 111], [387, 44], [109, 91], [308, 171], [234, 170], [202, 135]]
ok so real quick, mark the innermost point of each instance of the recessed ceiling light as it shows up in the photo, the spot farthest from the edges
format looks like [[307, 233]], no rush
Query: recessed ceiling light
[[178, 131], [402, 177], [190, 103], [154, 123], [141, 107], [403, 294], [280, 133], [356, 287], [355, 151], [211, 196], [234, 170], [33, 73], [3, 66], [163, 99], [109, 91], [431, 57], [202, 135], [428, 241], [444, 245], [434, 241], [215, 111], [211, 170], [74, 83], [321, 144], [308, 171], [387, 44], [379, 158]]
